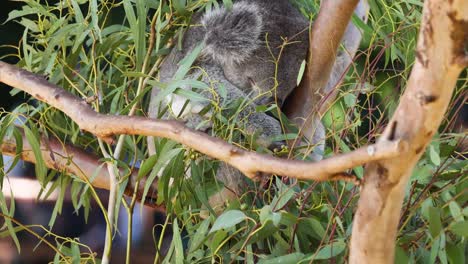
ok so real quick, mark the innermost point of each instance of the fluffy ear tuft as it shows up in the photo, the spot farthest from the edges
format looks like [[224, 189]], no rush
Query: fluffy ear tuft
[[231, 36]]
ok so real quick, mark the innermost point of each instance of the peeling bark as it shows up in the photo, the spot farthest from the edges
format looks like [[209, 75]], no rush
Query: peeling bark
[[442, 38]]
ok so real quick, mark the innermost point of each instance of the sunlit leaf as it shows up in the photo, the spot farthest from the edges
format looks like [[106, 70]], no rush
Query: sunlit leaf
[[301, 72]]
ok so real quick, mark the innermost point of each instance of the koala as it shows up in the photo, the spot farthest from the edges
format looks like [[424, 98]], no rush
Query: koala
[[241, 46], [252, 51]]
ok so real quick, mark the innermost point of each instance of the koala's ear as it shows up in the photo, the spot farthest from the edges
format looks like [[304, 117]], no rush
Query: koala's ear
[[232, 35]]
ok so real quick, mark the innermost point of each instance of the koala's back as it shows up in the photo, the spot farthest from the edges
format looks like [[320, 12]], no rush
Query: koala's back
[[256, 69]]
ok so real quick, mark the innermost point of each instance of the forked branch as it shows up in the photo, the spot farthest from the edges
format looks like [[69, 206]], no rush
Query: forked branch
[[251, 164]]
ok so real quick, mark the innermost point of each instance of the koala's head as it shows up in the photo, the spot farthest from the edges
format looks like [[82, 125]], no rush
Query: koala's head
[[232, 35]]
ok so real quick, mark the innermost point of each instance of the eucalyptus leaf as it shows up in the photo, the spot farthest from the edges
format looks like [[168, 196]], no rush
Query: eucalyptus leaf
[[292, 258], [301, 72], [331, 250], [228, 219], [460, 228]]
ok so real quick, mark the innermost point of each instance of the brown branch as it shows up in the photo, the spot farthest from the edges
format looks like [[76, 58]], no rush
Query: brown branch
[[350, 42], [251, 164], [325, 38], [442, 40], [76, 161], [318, 89]]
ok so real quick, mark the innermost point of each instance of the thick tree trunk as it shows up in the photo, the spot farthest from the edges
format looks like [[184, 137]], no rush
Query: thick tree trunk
[[440, 57]]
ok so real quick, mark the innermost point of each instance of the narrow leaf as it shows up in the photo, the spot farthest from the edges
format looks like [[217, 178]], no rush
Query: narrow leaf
[[228, 219]]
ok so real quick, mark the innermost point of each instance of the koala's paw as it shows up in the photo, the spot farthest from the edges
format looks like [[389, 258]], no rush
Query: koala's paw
[[267, 129]]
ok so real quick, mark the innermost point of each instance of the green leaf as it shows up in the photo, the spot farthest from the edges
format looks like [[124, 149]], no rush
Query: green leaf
[[27, 56], [40, 166], [19, 13], [292, 258], [8, 223], [31, 25], [284, 195], [186, 63], [228, 219], [249, 255], [179, 6], [177, 240], [456, 253], [400, 255], [64, 181], [191, 95], [227, 3], [301, 72], [140, 31], [75, 252], [78, 15], [435, 247], [6, 233], [79, 39], [130, 14], [218, 238], [287, 136], [75, 190], [161, 162], [350, 100], [2, 172], [95, 19], [147, 166], [173, 85], [434, 155], [314, 225], [460, 228], [438, 250], [331, 250], [266, 214], [456, 211], [200, 235], [19, 148], [435, 224], [222, 92]]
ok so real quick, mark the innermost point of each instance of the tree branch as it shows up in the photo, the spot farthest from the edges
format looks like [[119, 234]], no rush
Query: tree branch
[[317, 91], [442, 40], [251, 164], [325, 38], [73, 160]]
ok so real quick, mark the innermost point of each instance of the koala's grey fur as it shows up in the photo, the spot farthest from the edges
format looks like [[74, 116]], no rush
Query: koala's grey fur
[[241, 46]]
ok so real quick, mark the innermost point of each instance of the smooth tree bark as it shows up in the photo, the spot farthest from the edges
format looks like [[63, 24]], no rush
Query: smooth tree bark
[[440, 57], [325, 71]]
